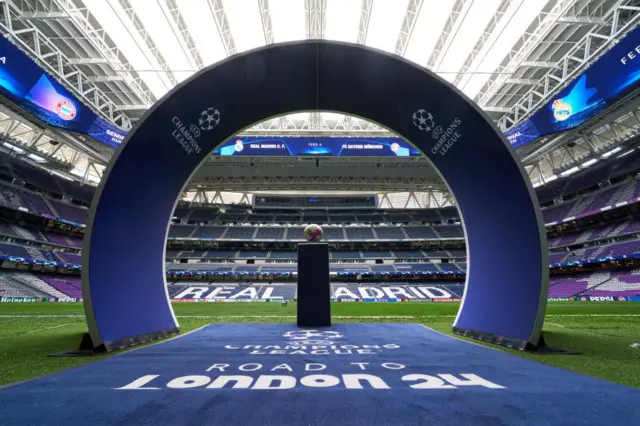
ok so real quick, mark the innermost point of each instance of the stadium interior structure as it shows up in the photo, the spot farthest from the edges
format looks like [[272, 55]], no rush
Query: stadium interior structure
[[390, 221], [79, 80]]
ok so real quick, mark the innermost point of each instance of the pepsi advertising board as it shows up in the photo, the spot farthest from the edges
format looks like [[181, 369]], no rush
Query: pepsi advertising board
[[36, 91], [611, 77], [317, 146]]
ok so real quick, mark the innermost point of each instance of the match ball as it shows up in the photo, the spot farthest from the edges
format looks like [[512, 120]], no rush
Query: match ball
[[313, 233]]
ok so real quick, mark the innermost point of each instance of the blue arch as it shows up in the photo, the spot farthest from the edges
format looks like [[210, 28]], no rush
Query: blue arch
[[124, 285]]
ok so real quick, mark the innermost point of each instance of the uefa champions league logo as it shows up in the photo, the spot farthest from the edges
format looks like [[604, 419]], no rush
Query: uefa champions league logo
[[312, 337], [445, 137], [423, 120], [209, 119]]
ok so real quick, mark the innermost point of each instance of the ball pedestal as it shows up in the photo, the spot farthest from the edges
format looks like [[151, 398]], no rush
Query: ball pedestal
[[314, 292]]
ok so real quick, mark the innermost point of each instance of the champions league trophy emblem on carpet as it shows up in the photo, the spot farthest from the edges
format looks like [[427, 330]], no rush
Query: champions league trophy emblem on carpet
[[312, 337]]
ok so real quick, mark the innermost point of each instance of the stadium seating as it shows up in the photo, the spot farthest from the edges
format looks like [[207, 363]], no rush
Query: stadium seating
[[295, 233], [621, 283], [74, 259], [580, 194], [604, 283], [22, 199], [592, 201], [593, 234], [69, 212], [31, 281], [270, 233], [389, 233]]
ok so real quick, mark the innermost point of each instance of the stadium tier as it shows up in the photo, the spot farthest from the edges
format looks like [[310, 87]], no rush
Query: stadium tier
[[586, 193], [348, 268], [592, 201], [604, 284], [331, 233], [28, 188]]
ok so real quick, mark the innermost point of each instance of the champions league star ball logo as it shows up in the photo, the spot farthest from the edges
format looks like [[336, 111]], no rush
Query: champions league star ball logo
[[66, 110], [312, 337], [423, 120], [209, 119]]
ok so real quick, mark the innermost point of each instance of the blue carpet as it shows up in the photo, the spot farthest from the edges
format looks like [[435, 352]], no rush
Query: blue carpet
[[356, 374]]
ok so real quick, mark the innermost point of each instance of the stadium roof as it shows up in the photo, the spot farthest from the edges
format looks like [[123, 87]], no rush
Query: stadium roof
[[120, 56]]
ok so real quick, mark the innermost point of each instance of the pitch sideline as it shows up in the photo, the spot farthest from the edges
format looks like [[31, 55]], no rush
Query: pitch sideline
[[333, 316]]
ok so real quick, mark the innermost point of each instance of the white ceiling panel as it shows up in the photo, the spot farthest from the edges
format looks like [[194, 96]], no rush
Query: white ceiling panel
[[385, 23], [343, 18], [287, 20], [245, 23], [114, 21], [155, 22], [496, 50], [427, 29], [465, 36], [202, 28]]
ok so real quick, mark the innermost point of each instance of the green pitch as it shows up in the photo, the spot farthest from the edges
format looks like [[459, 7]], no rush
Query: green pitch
[[603, 332]]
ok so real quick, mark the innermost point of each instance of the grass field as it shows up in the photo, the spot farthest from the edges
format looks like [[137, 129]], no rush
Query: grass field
[[603, 332]]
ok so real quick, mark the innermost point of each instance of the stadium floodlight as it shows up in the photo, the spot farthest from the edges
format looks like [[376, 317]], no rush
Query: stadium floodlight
[[13, 148], [37, 158], [570, 171], [610, 153], [589, 163], [625, 154]]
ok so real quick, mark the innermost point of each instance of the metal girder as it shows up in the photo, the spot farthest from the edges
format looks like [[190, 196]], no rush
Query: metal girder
[[409, 21], [314, 183], [145, 42], [576, 60], [582, 54], [88, 61], [454, 20], [181, 31], [314, 18], [83, 21], [318, 125], [544, 23], [105, 78], [624, 111], [523, 81], [482, 40], [42, 50], [217, 10], [363, 23], [60, 153], [538, 64], [497, 109], [386, 199], [139, 108], [265, 16], [46, 15], [597, 144]]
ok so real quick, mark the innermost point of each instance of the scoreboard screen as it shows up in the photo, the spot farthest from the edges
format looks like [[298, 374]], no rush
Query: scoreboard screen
[[317, 146]]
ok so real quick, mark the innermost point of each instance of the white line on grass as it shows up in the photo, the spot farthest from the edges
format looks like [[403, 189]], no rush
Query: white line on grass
[[46, 328], [334, 316]]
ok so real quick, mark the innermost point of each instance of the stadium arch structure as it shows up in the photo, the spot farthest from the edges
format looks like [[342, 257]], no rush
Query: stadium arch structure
[[124, 282]]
